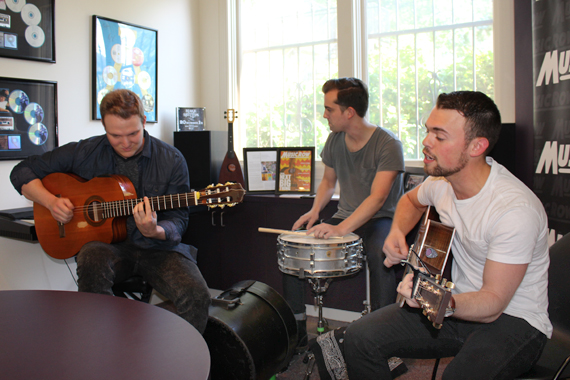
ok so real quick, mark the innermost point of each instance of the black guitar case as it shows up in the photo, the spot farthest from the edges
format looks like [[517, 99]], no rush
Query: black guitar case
[[251, 332]]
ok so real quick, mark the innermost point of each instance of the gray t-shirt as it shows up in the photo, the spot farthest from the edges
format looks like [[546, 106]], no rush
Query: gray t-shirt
[[356, 170]]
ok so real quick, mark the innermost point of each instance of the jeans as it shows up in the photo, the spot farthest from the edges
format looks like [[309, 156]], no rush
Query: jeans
[[382, 279], [502, 349], [100, 265]]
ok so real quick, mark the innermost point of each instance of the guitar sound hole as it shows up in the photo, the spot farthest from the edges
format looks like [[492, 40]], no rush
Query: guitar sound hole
[[93, 212]]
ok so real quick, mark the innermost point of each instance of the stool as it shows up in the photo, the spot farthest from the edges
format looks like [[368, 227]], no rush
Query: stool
[[134, 287]]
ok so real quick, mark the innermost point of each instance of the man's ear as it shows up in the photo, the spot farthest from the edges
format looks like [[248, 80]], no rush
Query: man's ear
[[478, 146], [351, 112]]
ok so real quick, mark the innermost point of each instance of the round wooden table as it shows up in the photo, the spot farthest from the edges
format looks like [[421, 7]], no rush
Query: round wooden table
[[62, 335]]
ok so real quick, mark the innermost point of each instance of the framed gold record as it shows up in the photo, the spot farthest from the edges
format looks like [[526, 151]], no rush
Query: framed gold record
[[28, 121], [28, 30]]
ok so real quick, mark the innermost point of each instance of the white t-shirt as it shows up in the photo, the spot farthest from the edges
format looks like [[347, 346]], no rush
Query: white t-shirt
[[504, 222]]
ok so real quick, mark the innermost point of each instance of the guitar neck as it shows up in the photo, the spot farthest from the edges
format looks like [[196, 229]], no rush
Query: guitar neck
[[125, 207], [231, 139]]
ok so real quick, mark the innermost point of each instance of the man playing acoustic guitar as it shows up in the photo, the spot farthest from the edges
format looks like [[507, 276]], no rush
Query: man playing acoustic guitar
[[497, 321], [153, 247]]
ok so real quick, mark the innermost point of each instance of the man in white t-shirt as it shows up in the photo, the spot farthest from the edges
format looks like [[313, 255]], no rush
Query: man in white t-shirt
[[497, 321]]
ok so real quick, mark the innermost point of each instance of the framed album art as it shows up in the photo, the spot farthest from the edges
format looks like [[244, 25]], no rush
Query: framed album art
[[190, 119], [27, 29], [28, 117], [124, 56], [295, 172], [260, 169]]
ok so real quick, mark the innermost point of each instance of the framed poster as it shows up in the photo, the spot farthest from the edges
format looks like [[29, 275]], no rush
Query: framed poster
[[124, 56], [190, 119], [27, 29], [28, 117], [260, 169], [295, 170]]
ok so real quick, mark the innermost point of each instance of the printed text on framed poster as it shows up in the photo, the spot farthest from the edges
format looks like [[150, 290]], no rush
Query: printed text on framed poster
[[296, 170]]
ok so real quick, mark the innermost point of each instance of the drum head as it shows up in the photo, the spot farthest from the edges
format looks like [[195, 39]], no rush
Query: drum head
[[293, 238]]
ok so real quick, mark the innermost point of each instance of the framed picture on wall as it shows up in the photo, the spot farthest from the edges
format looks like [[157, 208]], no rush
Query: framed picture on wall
[[124, 56], [295, 170], [260, 169], [27, 29], [28, 117]]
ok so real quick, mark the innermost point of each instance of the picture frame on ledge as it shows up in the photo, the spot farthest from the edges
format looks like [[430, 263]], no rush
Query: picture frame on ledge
[[260, 169], [27, 30], [296, 171], [28, 117], [190, 119], [124, 56]]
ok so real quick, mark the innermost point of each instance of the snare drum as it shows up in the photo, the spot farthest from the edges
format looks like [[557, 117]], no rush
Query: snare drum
[[307, 256]]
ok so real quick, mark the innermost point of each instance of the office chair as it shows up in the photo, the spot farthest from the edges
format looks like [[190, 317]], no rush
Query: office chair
[[556, 355], [554, 360]]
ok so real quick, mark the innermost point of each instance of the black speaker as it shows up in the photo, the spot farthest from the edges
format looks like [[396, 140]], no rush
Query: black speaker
[[196, 146]]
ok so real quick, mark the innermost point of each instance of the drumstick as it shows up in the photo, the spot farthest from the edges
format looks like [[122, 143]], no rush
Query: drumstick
[[277, 231]]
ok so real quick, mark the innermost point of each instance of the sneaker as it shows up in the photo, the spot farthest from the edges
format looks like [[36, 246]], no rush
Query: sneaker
[[397, 367]]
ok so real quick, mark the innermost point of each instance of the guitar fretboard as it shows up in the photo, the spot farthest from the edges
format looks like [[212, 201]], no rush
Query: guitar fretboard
[[159, 203]]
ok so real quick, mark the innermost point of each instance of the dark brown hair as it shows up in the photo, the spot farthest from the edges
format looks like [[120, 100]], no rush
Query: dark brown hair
[[483, 118], [352, 92], [122, 103]]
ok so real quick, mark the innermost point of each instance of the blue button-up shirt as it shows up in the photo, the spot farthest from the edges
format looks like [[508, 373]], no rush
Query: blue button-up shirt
[[162, 171]]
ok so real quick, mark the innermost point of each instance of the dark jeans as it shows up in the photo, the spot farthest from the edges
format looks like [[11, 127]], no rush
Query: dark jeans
[[100, 265], [382, 279], [502, 349]]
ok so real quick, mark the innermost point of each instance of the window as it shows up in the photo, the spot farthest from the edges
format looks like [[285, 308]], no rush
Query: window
[[416, 49], [288, 50]]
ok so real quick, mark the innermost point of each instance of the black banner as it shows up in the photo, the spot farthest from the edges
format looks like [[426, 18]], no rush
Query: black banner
[[551, 46]]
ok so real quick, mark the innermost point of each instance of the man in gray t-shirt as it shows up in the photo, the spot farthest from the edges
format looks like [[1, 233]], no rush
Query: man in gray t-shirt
[[368, 163]]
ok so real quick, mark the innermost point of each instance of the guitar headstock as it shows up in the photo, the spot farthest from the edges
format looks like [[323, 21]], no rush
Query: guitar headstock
[[433, 294], [230, 114], [221, 195]]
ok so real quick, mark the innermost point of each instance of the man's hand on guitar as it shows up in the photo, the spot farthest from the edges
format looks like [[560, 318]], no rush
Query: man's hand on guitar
[[395, 248], [146, 220], [405, 289], [61, 209]]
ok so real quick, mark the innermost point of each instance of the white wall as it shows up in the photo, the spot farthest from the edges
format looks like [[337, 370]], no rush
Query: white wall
[[24, 265], [177, 22]]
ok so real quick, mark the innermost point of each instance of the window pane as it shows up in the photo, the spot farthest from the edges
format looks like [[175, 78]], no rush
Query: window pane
[[437, 47], [406, 15], [424, 13], [288, 51]]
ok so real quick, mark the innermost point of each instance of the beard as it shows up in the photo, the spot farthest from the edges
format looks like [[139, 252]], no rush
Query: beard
[[438, 171]]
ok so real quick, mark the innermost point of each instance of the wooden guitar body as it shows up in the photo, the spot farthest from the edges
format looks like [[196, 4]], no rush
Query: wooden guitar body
[[103, 216], [431, 248], [64, 241], [231, 169]]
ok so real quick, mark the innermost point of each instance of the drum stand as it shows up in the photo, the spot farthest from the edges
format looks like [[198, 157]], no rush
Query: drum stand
[[319, 289], [367, 303]]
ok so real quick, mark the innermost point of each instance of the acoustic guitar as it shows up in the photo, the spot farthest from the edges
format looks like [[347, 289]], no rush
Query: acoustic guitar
[[231, 169], [430, 252], [102, 206]]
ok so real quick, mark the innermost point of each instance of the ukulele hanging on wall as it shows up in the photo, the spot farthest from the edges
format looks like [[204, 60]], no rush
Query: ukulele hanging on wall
[[231, 169]]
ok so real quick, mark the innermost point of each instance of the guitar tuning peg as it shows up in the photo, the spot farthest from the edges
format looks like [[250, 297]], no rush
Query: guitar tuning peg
[[437, 325], [450, 285]]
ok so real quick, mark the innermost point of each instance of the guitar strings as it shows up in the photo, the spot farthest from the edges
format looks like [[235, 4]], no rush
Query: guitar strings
[[422, 262]]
